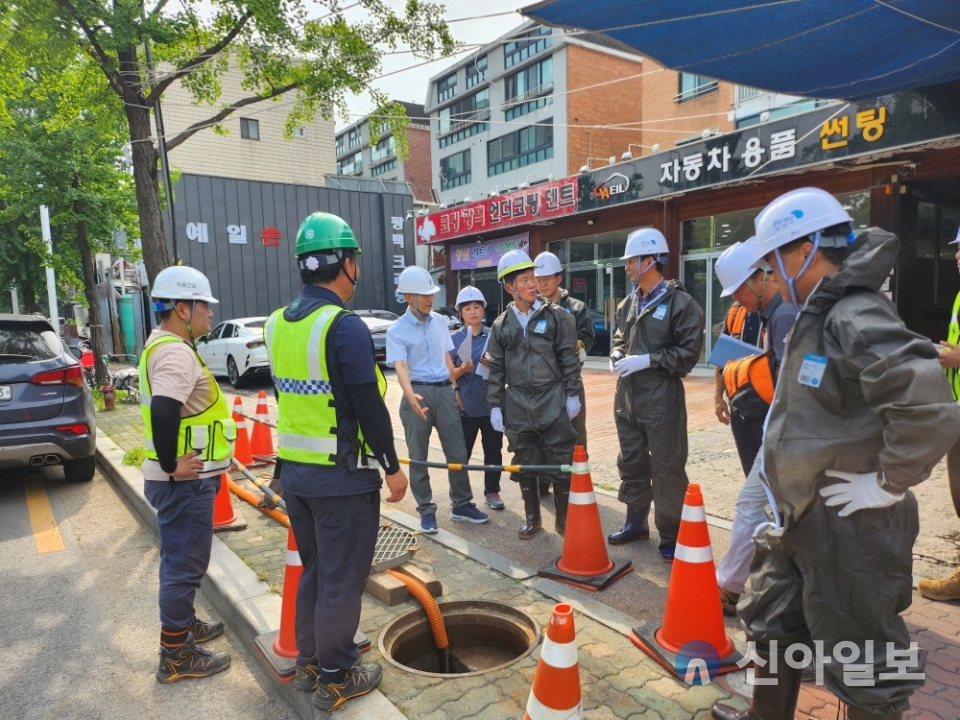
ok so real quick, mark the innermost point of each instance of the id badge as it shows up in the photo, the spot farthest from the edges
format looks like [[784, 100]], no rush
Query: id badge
[[540, 327], [811, 370], [660, 312]]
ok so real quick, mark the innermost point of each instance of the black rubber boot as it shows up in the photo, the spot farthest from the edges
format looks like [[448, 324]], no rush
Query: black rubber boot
[[855, 713], [770, 702], [544, 488], [531, 505], [189, 661], [636, 526], [561, 497]]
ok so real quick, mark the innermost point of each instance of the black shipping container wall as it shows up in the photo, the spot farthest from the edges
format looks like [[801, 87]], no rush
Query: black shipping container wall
[[253, 278]]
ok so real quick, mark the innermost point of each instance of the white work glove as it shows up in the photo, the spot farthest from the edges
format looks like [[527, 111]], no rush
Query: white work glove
[[573, 407], [631, 364], [496, 419], [860, 491]]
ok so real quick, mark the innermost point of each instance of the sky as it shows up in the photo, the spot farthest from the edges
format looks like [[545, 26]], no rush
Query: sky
[[409, 83]]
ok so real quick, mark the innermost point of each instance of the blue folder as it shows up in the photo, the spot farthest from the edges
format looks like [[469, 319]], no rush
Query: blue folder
[[728, 348]]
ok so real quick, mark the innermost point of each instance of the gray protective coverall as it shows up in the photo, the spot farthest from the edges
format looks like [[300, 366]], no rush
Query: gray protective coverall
[[585, 334], [531, 376], [650, 405], [882, 405]]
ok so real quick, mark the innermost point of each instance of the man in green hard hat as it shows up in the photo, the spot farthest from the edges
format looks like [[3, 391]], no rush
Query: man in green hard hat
[[331, 417]]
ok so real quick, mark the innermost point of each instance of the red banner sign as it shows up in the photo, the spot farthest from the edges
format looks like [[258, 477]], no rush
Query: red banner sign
[[518, 208]]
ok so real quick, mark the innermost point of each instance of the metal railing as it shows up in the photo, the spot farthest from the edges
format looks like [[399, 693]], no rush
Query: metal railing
[[539, 90], [696, 91], [481, 116]]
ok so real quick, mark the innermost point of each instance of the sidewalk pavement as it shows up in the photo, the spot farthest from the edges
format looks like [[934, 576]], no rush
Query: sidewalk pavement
[[713, 462]]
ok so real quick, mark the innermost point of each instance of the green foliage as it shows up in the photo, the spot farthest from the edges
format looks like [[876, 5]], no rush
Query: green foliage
[[98, 404], [135, 456]]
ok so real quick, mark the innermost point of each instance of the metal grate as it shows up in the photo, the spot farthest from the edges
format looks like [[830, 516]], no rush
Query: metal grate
[[395, 546]]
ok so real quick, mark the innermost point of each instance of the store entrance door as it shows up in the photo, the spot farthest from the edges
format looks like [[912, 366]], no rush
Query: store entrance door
[[696, 274]]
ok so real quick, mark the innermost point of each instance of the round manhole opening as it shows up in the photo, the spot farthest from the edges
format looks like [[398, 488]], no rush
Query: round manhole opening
[[484, 636]]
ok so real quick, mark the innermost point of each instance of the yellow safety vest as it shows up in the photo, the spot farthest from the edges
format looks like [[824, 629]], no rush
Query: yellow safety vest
[[306, 409], [221, 430], [953, 336]]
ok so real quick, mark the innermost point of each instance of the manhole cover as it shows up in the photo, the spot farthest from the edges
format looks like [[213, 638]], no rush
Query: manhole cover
[[395, 546]]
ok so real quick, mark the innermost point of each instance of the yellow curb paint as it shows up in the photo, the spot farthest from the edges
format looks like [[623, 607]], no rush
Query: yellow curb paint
[[44, 524]]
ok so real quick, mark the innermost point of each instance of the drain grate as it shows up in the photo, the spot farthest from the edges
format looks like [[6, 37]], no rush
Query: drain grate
[[395, 546]]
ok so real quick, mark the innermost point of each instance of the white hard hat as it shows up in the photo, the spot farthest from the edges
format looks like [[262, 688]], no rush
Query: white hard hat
[[794, 215], [180, 282], [512, 262], [546, 264], [469, 294], [414, 280], [735, 266], [645, 241]]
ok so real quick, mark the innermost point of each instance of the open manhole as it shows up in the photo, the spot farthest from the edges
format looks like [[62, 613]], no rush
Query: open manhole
[[484, 636]]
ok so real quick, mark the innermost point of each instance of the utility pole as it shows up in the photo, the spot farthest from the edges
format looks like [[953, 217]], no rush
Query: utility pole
[[14, 301], [51, 277]]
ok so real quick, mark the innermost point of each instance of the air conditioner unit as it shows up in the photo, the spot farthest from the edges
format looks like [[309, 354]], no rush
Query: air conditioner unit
[[300, 132]]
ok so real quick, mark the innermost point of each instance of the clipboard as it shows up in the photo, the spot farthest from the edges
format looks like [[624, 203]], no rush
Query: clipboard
[[728, 348]]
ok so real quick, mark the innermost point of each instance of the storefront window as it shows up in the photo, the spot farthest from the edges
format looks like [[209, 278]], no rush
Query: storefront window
[[559, 249], [734, 227], [926, 230], [582, 251], [697, 235], [858, 205], [612, 249]]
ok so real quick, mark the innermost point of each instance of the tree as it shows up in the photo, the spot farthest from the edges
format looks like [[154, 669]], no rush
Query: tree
[[61, 144], [277, 47]]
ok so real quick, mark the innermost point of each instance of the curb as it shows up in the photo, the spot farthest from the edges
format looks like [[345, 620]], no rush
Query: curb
[[243, 601]]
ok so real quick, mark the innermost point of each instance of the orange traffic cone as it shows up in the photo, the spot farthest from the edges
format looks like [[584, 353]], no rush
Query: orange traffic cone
[[584, 562], [692, 639], [279, 648], [241, 449], [261, 440], [225, 517], [555, 694]]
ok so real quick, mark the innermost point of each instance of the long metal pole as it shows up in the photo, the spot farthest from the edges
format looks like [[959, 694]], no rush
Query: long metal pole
[[164, 162], [14, 300], [51, 276]]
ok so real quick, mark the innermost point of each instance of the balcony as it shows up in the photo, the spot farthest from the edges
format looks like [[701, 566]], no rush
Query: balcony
[[539, 90], [389, 155], [481, 116], [697, 91], [745, 92]]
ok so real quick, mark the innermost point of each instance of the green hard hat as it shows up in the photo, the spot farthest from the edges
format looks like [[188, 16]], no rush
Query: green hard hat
[[323, 232]]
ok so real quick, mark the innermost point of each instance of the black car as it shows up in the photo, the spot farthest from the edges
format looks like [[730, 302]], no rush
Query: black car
[[378, 321], [601, 335], [46, 409]]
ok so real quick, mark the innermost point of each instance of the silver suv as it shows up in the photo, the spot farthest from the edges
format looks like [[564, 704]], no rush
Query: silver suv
[[46, 409]]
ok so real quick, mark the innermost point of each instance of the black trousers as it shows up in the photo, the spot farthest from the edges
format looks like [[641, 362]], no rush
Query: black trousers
[[492, 442], [748, 439], [336, 537]]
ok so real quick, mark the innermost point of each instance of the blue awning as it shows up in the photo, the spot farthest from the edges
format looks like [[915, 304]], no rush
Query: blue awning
[[849, 49]]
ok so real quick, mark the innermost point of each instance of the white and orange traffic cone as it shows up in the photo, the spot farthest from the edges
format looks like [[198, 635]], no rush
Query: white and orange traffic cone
[[584, 562], [555, 694], [261, 439], [225, 516], [241, 449], [279, 648], [692, 635]]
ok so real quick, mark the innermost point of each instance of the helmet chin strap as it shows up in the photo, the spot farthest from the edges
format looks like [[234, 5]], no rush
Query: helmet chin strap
[[516, 299], [636, 280], [792, 281], [188, 321]]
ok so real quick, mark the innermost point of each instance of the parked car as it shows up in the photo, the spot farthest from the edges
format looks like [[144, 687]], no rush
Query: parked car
[[451, 316], [601, 339], [235, 349], [46, 409], [378, 321]]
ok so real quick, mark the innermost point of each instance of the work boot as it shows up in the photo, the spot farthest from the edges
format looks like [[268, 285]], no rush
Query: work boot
[[635, 527], [189, 661], [308, 673], [357, 681], [728, 601], [561, 498], [770, 702], [204, 630], [946, 589], [531, 507], [855, 713], [544, 487]]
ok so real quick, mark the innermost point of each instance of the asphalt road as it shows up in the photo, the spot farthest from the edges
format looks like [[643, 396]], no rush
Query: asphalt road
[[81, 633]]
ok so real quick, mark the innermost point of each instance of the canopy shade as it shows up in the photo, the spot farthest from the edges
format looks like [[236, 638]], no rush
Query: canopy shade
[[851, 50]]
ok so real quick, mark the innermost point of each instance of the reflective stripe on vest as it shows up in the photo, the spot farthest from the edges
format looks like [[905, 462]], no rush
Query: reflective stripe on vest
[[953, 336], [221, 430], [306, 412]]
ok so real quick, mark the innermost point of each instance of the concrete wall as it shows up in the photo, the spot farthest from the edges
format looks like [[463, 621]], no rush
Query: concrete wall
[[254, 279]]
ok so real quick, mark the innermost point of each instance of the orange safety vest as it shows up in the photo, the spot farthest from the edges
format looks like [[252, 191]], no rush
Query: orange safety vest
[[736, 317], [750, 382]]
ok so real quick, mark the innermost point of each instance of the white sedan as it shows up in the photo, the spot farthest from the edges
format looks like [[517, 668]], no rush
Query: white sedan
[[235, 349]]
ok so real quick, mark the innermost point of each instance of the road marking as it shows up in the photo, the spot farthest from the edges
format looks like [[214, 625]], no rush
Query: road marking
[[44, 524]]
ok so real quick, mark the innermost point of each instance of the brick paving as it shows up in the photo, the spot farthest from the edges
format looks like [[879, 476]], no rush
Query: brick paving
[[618, 682]]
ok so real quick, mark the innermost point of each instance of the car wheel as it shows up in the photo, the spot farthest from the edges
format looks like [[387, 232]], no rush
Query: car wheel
[[81, 470], [233, 374]]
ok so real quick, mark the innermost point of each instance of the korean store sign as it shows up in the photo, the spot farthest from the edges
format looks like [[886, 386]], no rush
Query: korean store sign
[[518, 208], [486, 254], [834, 132]]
